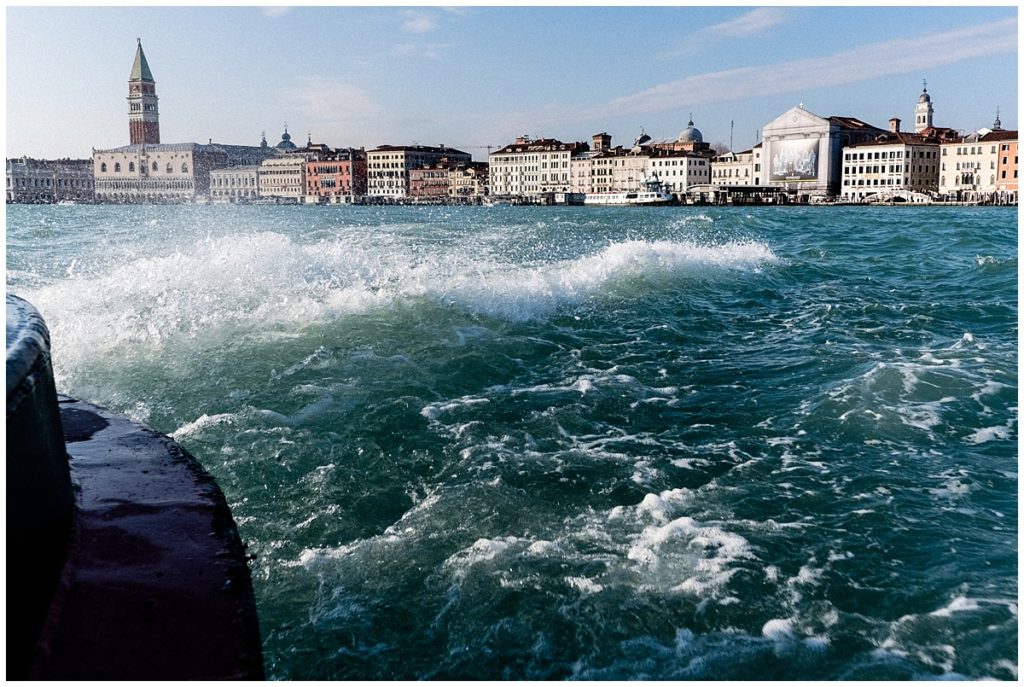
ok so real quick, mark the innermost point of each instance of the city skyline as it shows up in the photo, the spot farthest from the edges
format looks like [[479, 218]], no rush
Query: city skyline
[[473, 77]]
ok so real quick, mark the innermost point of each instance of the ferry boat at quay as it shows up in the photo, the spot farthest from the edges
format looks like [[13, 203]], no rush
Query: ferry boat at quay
[[653, 193]]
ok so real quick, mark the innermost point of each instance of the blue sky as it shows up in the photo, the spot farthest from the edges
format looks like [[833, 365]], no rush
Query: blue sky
[[471, 77]]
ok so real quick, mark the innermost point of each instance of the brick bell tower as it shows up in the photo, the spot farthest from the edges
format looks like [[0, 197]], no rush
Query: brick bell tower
[[143, 116]]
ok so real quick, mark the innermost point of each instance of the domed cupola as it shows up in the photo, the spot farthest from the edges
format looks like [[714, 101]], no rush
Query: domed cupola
[[924, 97], [691, 134], [286, 141]]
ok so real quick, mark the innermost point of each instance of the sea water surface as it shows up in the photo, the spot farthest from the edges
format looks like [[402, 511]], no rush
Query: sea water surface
[[575, 443]]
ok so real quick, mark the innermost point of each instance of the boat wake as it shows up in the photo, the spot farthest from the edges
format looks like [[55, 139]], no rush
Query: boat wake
[[267, 283]]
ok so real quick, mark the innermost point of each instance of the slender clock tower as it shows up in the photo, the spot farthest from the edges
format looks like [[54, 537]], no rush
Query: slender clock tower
[[143, 116]]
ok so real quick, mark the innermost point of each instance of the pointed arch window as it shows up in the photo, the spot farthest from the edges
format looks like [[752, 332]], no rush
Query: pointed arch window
[[155, 167], [103, 166], [131, 166], [117, 166], [169, 170], [184, 168]]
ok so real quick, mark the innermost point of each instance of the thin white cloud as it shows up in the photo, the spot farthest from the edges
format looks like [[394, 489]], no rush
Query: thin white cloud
[[747, 25], [900, 56], [418, 22], [750, 24], [427, 51], [273, 12]]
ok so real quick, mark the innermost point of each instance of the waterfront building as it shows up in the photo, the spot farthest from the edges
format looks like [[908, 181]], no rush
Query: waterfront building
[[581, 171], [895, 165], [678, 171], [1006, 172], [468, 182], [802, 152], [678, 163], [532, 168], [387, 167], [970, 168], [49, 181], [283, 178], [234, 184], [591, 169], [733, 169], [430, 182], [736, 179], [165, 172], [143, 113], [336, 176]]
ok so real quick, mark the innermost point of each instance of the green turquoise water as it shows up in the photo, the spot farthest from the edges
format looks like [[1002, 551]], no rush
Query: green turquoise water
[[575, 443]]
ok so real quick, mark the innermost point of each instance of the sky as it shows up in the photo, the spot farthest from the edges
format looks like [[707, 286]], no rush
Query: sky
[[473, 77]]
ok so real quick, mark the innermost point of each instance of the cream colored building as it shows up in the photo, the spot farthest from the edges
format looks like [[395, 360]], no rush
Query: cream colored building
[[970, 167], [531, 169], [152, 173], [283, 178], [895, 164], [387, 167], [679, 171], [163, 172], [234, 184], [733, 169], [606, 169], [468, 182]]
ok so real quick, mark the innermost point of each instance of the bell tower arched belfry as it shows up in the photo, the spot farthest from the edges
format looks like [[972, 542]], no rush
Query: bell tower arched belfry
[[923, 112], [143, 115]]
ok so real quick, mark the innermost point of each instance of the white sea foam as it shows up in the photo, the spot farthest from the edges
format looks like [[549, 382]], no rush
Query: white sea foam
[[584, 584], [957, 605], [264, 284], [203, 422], [481, 551], [778, 629], [434, 411], [699, 558], [987, 434]]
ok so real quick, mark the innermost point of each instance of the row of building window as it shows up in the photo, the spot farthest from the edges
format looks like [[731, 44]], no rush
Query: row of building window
[[36, 182], [231, 181], [155, 167], [973, 150], [103, 185]]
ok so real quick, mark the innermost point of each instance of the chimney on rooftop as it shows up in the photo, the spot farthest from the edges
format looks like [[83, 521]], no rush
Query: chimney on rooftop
[[602, 142], [894, 125]]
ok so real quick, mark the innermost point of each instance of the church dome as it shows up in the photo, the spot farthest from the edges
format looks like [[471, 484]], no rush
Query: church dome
[[924, 98], [691, 134], [286, 141]]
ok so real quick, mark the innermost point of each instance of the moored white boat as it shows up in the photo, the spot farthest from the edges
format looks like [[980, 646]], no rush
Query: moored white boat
[[653, 193]]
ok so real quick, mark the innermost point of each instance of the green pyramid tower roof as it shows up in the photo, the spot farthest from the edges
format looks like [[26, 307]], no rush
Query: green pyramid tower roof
[[140, 70]]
